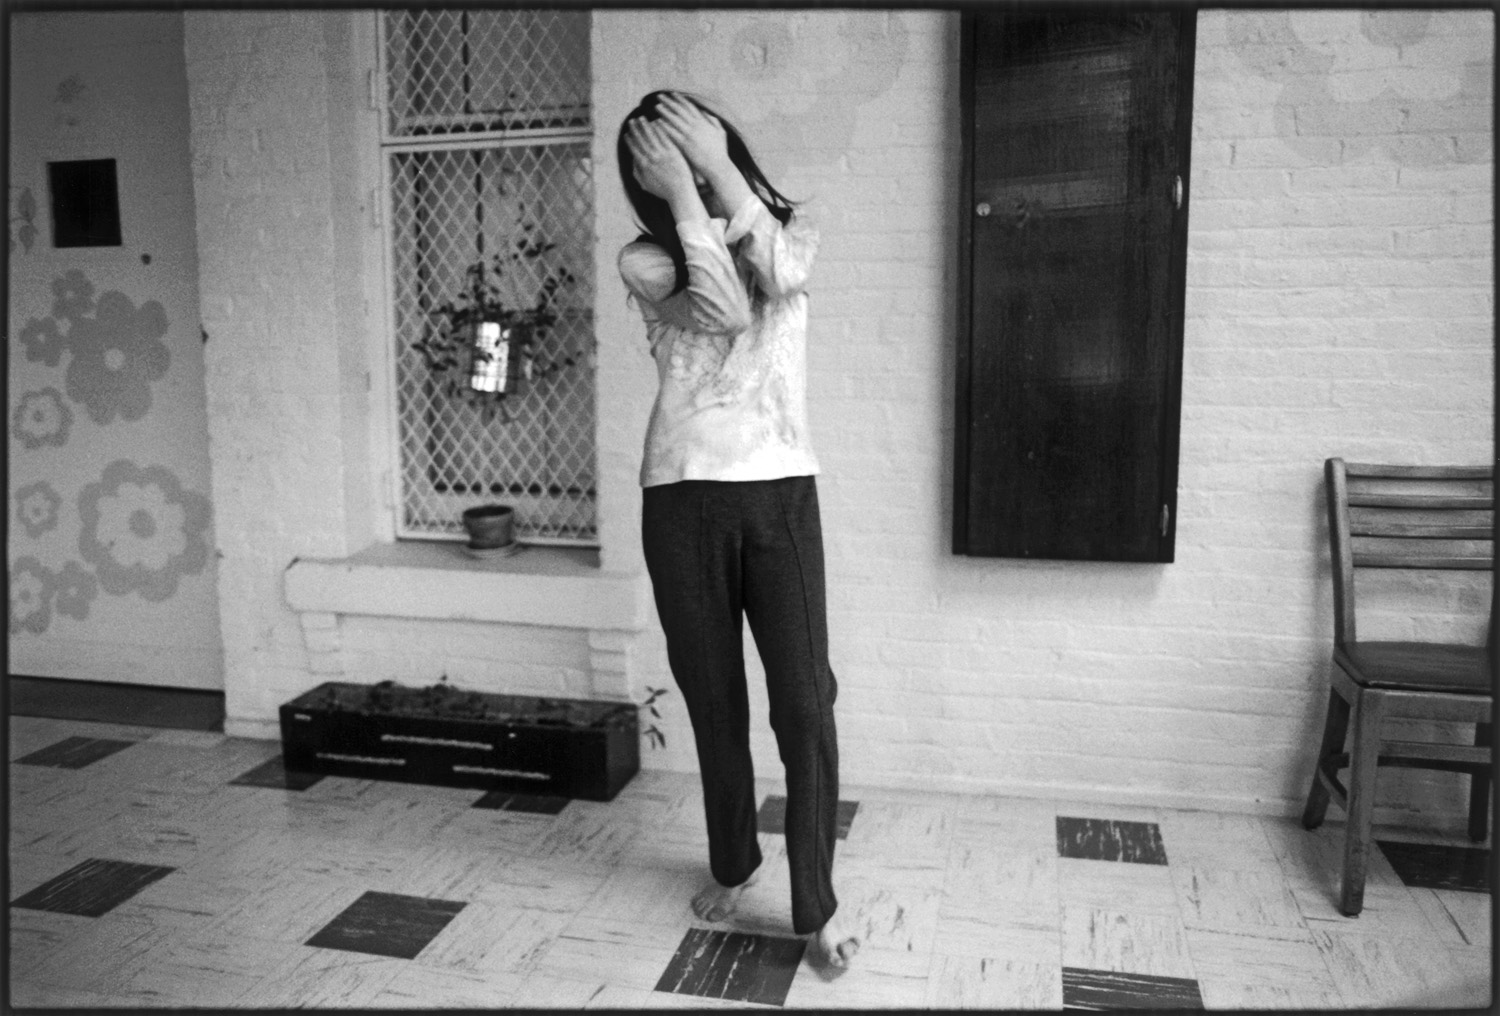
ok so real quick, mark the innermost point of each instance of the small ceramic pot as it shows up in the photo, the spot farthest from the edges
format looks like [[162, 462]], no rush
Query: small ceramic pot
[[489, 526]]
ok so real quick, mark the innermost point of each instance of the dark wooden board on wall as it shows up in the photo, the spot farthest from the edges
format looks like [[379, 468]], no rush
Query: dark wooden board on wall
[[1076, 126]]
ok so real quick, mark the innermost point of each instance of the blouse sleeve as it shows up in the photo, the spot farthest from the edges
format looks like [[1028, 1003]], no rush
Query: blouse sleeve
[[714, 302], [780, 256]]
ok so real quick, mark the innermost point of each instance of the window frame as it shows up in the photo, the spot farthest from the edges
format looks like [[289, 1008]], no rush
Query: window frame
[[387, 145]]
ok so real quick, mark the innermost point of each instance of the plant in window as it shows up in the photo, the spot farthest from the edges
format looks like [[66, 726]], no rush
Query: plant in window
[[482, 345]]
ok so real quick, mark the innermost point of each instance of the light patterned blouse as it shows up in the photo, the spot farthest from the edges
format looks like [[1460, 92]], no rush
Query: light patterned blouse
[[733, 367]]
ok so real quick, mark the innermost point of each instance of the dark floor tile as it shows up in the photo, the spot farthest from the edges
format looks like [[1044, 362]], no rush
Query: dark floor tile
[[756, 969], [387, 924], [272, 773], [1105, 989], [1438, 866], [93, 888], [536, 804], [112, 702], [1097, 839], [772, 816], [74, 752]]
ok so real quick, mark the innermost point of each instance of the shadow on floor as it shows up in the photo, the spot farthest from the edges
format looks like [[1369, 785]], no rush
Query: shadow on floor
[[106, 702]]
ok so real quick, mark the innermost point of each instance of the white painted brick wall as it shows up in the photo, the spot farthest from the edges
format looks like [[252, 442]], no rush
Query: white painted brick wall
[[1339, 302]]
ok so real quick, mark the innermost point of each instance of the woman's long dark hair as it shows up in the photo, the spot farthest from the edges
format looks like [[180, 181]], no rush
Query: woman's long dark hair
[[654, 214]]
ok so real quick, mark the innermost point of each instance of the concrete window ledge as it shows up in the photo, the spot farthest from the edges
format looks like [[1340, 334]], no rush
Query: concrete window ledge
[[555, 587], [560, 587]]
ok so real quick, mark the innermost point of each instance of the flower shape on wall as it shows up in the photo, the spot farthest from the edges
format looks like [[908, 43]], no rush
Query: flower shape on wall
[[116, 355], [797, 77], [76, 589], [141, 530], [42, 418], [36, 507], [73, 295], [32, 587], [1370, 80], [43, 340]]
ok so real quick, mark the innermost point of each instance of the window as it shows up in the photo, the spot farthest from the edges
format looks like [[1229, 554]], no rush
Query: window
[[1073, 253], [485, 136]]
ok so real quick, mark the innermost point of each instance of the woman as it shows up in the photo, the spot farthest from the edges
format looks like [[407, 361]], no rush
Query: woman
[[730, 519]]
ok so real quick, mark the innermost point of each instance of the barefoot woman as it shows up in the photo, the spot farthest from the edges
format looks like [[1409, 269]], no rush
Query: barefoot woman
[[730, 515]]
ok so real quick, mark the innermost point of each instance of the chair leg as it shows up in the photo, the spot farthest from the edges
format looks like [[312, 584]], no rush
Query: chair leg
[[1479, 790], [1334, 727], [1364, 759]]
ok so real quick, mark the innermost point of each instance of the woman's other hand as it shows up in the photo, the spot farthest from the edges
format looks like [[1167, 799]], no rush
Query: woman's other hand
[[698, 135], [660, 166]]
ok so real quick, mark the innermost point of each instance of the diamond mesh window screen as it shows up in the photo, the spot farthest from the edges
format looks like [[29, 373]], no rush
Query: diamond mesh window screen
[[487, 140]]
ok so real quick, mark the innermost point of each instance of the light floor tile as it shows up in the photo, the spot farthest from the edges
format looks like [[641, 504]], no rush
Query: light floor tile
[[1097, 939], [660, 895], [1475, 986], [1239, 967], [1316, 857], [484, 939], [990, 934], [1215, 840], [101, 957], [619, 953], [1387, 911], [1002, 982], [1024, 882], [1376, 972], [420, 987], [324, 978], [25, 994], [924, 831], [1231, 898], [206, 971], [1459, 919], [1117, 885], [876, 979], [891, 913]]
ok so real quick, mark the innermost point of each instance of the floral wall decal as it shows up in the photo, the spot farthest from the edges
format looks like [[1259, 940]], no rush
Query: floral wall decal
[[73, 295], [25, 214], [43, 341], [32, 586], [116, 356], [76, 588], [141, 530], [1365, 78], [42, 418], [36, 507], [116, 347], [799, 76]]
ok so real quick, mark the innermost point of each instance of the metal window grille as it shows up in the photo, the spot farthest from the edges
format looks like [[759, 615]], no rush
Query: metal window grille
[[486, 136]]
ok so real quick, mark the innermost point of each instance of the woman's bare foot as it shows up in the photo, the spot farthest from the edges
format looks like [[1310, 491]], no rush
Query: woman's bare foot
[[832, 946], [715, 902]]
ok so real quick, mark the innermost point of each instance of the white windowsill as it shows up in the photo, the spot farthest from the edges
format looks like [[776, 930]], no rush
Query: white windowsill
[[559, 587]]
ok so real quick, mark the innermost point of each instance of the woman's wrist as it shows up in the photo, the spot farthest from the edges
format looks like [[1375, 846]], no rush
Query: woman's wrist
[[686, 205]]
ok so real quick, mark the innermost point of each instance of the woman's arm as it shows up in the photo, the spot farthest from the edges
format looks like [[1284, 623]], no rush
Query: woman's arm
[[714, 301], [780, 256]]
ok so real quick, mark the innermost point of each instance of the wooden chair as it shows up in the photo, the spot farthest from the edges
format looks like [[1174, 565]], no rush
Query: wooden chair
[[1415, 517]]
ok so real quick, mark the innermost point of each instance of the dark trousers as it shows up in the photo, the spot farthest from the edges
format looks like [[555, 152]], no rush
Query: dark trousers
[[719, 552]]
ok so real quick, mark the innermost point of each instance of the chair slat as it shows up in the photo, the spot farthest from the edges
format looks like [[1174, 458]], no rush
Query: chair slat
[[1446, 562], [1371, 500], [1420, 532], [1360, 470], [1460, 754]]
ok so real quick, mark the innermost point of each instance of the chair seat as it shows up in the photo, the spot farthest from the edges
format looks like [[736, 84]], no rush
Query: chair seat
[[1428, 666]]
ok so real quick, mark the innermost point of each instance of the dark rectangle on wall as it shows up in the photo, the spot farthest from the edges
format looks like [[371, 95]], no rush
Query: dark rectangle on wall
[[85, 203], [1073, 234]]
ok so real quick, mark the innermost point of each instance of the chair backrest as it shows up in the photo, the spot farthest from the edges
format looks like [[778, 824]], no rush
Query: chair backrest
[[1419, 517]]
